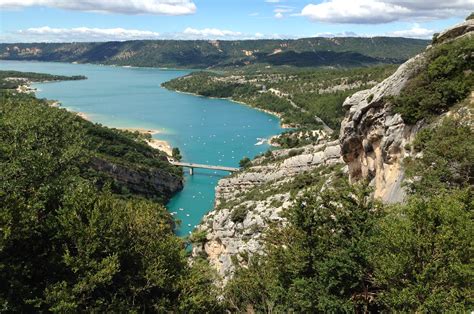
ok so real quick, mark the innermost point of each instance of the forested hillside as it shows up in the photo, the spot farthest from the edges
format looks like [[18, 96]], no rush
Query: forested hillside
[[209, 54], [83, 226]]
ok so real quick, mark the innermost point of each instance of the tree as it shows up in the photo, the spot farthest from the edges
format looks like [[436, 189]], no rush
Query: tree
[[447, 158], [68, 243], [422, 254], [318, 262], [245, 162], [422, 250], [176, 153]]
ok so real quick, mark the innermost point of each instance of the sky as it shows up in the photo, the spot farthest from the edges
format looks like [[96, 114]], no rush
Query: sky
[[106, 20]]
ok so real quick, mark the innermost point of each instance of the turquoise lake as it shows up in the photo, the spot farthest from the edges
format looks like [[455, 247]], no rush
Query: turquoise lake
[[207, 131]]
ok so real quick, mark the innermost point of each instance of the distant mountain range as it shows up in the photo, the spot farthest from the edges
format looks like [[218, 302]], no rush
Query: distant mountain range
[[306, 52]]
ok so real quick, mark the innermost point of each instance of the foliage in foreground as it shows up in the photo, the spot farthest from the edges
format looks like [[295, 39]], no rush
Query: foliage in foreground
[[68, 244], [340, 252]]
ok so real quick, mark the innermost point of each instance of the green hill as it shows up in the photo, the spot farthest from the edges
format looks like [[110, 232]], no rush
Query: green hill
[[205, 54]]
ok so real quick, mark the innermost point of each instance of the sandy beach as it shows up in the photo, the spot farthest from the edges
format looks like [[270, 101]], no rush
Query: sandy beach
[[141, 130], [162, 145], [83, 116]]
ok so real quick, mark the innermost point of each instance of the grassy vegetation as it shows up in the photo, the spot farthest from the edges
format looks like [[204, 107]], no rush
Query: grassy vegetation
[[235, 53]]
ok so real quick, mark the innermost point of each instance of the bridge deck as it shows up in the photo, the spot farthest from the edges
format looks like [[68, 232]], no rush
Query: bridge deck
[[192, 165]]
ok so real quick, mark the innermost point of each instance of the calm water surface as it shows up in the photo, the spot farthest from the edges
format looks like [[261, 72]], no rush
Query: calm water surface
[[208, 131]]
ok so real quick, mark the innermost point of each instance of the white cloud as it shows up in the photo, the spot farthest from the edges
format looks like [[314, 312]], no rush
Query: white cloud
[[332, 35], [415, 32], [272, 1], [48, 34], [86, 34], [210, 33], [279, 15], [384, 11], [166, 7], [280, 11]]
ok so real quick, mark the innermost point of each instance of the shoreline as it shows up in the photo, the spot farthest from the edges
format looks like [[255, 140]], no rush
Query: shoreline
[[159, 144], [155, 143], [273, 113]]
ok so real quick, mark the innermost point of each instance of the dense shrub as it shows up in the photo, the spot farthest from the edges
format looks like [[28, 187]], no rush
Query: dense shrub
[[238, 214], [447, 79]]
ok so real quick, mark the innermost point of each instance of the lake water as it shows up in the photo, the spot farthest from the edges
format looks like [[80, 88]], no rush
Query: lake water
[[207, 131]]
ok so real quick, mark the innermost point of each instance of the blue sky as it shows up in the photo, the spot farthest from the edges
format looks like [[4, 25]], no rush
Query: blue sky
[[100, 20]]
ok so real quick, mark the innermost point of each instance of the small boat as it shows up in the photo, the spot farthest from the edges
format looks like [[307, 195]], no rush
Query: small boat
[[181, 208], [261, 141]]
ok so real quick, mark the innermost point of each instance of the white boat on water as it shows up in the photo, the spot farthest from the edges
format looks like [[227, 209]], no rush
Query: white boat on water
[[261, 141]]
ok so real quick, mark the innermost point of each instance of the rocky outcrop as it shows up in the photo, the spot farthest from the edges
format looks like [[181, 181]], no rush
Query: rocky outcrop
[[455, 32], [262, 192], [150, 182], [374, 140]]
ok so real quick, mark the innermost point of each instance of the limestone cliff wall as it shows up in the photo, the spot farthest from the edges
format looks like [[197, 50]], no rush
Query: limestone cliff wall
[[373, 138], [152, 182], [262, 190]]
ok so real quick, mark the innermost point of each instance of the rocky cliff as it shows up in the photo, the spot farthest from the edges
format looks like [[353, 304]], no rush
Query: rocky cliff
[[149, 182], [373, 142], [248, 202]]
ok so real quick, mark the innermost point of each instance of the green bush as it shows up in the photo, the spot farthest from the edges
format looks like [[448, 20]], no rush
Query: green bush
[[295, 152], [245, 162], [198, 236], [238, 214]]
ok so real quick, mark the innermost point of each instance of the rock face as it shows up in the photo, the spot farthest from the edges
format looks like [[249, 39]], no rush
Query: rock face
[[455, 32], [374, 139], [263, 192], [151, 183]]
